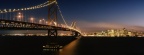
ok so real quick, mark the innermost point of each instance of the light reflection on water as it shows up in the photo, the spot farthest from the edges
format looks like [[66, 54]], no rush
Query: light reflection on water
[[70, 49]]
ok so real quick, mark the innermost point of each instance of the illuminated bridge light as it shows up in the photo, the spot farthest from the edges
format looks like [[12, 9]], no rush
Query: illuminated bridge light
[[20, 21]]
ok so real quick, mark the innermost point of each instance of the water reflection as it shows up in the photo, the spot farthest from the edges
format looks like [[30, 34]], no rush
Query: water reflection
[[70, 49], [51, 49]]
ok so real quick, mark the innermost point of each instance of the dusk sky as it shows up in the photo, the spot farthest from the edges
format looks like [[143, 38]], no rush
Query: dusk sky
[[94, 15]]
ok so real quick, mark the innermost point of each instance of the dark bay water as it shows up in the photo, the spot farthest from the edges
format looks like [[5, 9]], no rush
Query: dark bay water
[[105, 46], [72, 46]]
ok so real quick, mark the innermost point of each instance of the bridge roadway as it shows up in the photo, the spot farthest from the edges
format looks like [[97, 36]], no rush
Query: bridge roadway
[[20, 25]]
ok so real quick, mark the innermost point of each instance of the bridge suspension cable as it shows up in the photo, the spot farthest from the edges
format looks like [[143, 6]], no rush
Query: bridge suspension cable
[[23, 18], [45, 4], [61, 14]]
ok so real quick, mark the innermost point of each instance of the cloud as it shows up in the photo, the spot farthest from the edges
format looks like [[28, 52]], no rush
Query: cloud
[[100, 26]]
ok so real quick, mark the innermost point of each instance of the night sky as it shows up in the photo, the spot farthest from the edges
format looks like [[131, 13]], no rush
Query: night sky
[[93, 15]]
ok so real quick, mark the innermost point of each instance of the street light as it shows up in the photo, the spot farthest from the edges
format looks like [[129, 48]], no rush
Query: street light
[[55, 23], [19, 13], [32, 20], [40, 21], [44, 21], [19, 16]]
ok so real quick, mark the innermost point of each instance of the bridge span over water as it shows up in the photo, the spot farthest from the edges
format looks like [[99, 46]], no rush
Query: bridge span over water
[[15, 19]]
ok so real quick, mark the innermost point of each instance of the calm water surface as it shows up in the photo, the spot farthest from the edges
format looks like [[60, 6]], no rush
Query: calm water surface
[[104, 46], [80, 46]]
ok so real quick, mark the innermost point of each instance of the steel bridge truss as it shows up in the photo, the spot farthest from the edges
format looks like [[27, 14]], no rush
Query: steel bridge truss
[[19, 25], [52, 28]]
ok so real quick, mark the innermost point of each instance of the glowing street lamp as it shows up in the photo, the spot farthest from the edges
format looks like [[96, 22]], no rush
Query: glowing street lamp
[[40, 21], [32, 20], [46, 22], [19, 16], [19, 13], [55, 23]]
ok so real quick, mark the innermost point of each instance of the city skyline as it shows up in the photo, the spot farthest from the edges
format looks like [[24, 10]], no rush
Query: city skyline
[[94, 15], [71, 27], [97, 15]]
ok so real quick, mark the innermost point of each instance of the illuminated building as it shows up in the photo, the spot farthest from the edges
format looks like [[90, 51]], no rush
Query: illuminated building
[[119, 33]]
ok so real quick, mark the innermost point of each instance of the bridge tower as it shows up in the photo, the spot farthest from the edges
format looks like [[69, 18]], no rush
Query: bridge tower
[[74, 33], [73, 24], [52, 12], [52, 17]]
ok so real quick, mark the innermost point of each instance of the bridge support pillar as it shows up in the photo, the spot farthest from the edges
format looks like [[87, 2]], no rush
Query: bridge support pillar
[[52, 33], [52, 38]]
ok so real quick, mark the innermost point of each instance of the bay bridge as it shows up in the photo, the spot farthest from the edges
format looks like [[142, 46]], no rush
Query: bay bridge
[[18, 19]]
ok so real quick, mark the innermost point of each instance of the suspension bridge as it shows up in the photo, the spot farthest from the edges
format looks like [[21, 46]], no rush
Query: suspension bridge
[[19, 19]]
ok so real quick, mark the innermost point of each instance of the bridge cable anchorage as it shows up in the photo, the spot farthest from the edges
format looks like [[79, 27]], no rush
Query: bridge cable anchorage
[[61, 14], [45, 4]]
